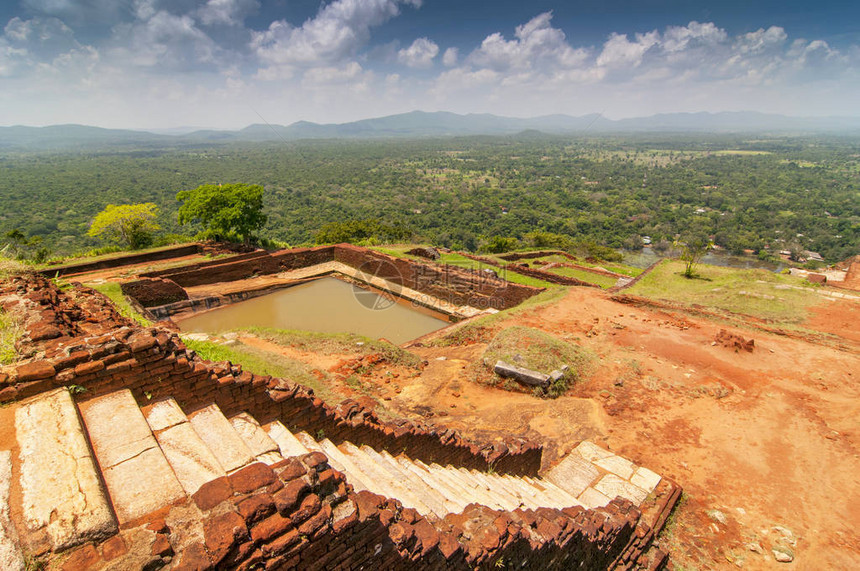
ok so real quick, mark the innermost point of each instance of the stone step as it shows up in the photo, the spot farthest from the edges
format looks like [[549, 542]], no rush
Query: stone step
[[339, 461], [192, 461], [61, 490], [465, 490], [11, 558], [390, 486], [512, 499], [455, 490], [413, 473], [453, 500], [138, 477], [256, 439], [335, 459], [288, 444], [562, 494], [428, 495], [501, 500], [216, 431]]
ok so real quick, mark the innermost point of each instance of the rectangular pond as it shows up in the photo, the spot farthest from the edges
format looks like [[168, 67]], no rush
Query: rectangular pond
[[327, 305]]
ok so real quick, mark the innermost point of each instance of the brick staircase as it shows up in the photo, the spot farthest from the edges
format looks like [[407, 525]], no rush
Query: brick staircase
[[84, 471]]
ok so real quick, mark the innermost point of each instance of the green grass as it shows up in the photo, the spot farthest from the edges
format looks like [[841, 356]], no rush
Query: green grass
[[260, 362], [114, 292], [759, 293], [329, 343], [513, 277], [539, 351], [480, 329], [10, 330], [592, 278]]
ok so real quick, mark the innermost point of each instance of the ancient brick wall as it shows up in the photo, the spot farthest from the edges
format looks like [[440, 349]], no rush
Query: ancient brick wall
[[126, 260], [301, 514], [531, 272], [452, 284]]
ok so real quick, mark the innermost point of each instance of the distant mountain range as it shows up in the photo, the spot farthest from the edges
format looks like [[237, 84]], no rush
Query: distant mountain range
[[424, 124]]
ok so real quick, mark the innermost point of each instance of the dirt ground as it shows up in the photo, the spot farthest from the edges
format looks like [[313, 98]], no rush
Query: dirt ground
[[765, 443]]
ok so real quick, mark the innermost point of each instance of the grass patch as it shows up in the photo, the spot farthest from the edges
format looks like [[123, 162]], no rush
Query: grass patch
[[513, 277], [260, 363], [752, 292], [114, 292], [329, 343], [539, 351], [602, 281], [480, 330], [10, 330]]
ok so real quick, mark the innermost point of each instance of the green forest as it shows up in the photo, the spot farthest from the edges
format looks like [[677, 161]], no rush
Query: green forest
[[764, 194]]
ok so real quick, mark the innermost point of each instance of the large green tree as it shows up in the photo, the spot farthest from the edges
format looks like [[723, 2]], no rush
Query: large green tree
[[130, 225], [224, 209]]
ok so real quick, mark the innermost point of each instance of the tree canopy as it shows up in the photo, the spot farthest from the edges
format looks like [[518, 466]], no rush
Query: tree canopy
[[130, 225], [224, 209]]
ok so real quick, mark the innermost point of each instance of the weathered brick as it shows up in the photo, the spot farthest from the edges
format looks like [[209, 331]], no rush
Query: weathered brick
[[82, 559], [34, 371], [89, 368], [113, 548], [213, 493], [256, 507], [222, 533], [271, 527], [291, 495], [252, 477]]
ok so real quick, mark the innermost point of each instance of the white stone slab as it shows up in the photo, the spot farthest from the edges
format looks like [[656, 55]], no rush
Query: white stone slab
[[116, 426], [10, 555], [612, 486], [645, 479], [60, 486], [573, 474], [619, 466], [253, 435], [192, 461], [141, 485], [286, 440], [163, 414], [591, 451], [138, 477], [591, 498], [218, 434]]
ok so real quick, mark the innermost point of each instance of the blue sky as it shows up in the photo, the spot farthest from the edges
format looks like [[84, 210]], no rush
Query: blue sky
[[227, 63]]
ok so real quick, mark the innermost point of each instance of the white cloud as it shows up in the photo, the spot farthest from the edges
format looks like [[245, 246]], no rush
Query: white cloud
[[160, 38], [419, 54], [618, 51], [336, 33], [189, 61], [229, 12], [536, 44]]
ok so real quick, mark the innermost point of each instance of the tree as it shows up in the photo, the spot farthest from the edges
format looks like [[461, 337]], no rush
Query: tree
[[21, 245], [692, 251], [130, 225], [225, 210]]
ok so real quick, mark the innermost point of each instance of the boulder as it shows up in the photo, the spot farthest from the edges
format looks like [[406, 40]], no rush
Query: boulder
[[522, 375], [428, 252]]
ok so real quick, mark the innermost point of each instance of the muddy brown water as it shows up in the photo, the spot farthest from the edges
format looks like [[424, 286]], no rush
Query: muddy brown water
[[326, 305]]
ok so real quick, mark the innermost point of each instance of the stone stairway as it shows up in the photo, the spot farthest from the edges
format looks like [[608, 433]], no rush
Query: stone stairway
[[84, 471]]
